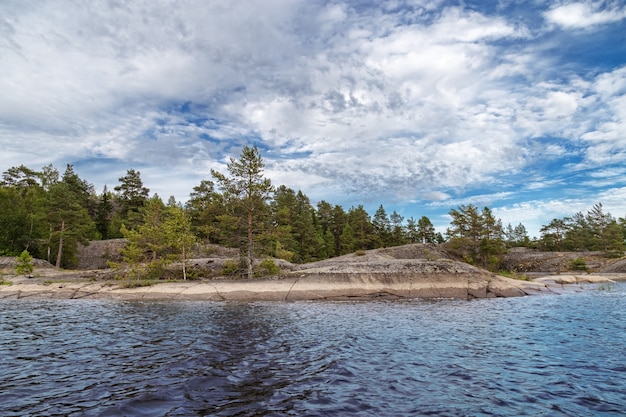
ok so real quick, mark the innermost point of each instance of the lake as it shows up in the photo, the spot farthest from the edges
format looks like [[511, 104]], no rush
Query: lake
[[551, 355]]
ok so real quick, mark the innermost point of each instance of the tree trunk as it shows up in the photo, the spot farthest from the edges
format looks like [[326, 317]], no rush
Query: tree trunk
[[184, 269], [250, 243], [60, 252]]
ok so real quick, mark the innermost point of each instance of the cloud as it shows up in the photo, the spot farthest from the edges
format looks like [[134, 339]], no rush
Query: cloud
[[580, 15], [396, 101]]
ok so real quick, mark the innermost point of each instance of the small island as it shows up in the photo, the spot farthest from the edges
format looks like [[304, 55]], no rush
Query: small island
[[239, 238]]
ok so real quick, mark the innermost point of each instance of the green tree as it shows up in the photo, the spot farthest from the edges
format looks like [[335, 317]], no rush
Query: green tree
[[49, 175], [324, 223], [309, 241], [246, 187], [603, 231], [516, 236], [22, 211], [398, 233], [15, 222], [82, 190], [381, 228], [104, 213], [426, 231], [69, 223], [578, 233], [283, 207], [324, 215], [329, 245], [476, 236], [132, 197], [362, 229], [24, 263], [491, 239], [159, 238], [204, 207], [613, 239], [553, 235], [466, 223], [411, 231], [178, 235], [338, 222], [20, 178], [348, 242]]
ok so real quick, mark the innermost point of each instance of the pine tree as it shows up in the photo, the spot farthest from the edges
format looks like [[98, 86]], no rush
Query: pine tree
[[426, 230], [553, 235], [398, 234], [246, 187], [69, 222], [382, 227], [411, 230], [132, 197], [362, 229], [338, 222], [204, 206], [178, 235], [104, 213], [477, 236]]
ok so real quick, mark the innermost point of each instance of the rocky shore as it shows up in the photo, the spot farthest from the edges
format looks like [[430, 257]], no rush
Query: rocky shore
[[412, 271]]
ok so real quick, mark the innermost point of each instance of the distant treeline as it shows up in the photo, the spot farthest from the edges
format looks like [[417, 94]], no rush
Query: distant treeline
[[49, 214]]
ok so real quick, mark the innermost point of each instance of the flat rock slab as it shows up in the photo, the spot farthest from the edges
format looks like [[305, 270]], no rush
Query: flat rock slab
[[314, 286], [579, 278], [393, 278]]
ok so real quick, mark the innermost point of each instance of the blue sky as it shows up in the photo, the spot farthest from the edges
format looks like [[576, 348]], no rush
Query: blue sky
[[419, 105]]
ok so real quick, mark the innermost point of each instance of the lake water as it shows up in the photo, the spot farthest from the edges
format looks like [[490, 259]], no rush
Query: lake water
[[534, 356]]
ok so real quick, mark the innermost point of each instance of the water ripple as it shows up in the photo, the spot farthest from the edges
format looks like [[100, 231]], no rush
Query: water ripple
[[535, 356]]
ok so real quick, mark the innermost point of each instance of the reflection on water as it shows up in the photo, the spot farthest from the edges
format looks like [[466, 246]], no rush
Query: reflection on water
[[549, 355]]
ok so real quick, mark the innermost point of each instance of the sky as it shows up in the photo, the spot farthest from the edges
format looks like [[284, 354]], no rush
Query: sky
[[418, 105]]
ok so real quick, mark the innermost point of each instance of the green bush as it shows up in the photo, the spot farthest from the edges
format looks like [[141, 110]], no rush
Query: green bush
[[137, 283], [360, 253], [578, 264], [24, 265], [231, 268], [267, 267]]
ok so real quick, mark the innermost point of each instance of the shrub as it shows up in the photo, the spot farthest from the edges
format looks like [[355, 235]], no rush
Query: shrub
[[137, 283], [360, 252], [282, 253], [267, 267], [24, 265], [578, 264], [231, 268]]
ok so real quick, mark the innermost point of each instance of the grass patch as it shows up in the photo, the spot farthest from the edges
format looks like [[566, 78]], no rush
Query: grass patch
[[514, 275], [137, 283]]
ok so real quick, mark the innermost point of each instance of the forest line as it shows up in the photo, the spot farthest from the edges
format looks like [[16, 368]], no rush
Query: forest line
[[49, 214]]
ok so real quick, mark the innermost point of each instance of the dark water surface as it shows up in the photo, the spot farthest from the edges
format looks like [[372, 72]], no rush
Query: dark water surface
[[535, 356]]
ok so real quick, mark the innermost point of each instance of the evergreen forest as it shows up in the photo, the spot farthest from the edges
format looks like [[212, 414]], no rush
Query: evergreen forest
[[49, 214]]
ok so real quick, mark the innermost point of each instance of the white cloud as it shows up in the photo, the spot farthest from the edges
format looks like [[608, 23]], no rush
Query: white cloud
[[435, 196], [580, 15], [410, 101]]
